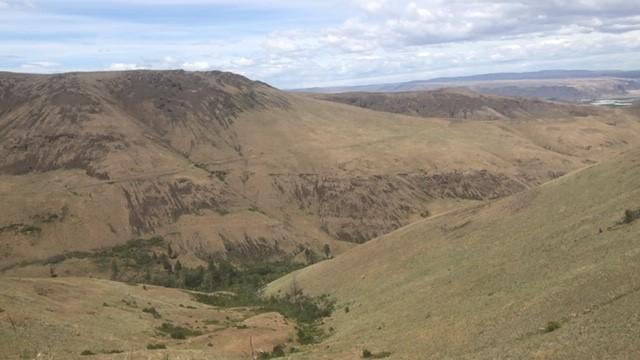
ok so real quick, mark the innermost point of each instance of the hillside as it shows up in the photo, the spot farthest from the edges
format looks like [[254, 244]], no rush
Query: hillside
[[222, 166], [572, 86], [66, 317], [454, 103], [549, 273]]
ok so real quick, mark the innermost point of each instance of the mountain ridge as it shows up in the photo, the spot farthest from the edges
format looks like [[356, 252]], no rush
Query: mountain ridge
[[224, 166], [564, 85]]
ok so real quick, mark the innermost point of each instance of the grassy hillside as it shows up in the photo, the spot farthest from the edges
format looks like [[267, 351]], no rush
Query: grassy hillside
[[222, 166], [82, 318], [549, 273]]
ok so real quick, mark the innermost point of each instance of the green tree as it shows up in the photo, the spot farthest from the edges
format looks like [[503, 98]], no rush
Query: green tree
[[310, 256], [165, 263], [226, 273], [114, 269], [630, 216], [327, 251]]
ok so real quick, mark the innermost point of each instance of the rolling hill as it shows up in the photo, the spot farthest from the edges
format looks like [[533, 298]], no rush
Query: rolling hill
[[80, 318], [460, 103], [549, 273], [459, 225], [564, 85], [222, 166]]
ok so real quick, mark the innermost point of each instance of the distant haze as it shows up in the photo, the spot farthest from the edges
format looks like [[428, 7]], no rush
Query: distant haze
[[566, 85]]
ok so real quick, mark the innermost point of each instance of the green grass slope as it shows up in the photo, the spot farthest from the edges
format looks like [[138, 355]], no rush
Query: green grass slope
[[548, 273]]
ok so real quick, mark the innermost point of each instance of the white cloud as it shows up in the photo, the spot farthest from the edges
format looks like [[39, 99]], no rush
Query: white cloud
[[196, 65], [365, 41], [40, 64], [122, 67], [243, 61], [170, 60]]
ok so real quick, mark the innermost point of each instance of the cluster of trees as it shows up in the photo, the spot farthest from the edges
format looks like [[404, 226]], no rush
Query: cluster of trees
[[219, 274]]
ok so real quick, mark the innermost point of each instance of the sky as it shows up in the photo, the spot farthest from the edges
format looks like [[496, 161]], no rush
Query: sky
[[305, 43]]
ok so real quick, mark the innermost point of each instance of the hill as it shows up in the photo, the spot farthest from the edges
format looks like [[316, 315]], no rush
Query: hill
[[459, 103], [220, 166], [80, 318], [565, 85], [549, 273]]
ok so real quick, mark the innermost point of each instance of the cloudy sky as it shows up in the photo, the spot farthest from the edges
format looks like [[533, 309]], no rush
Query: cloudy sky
[[302, 43]]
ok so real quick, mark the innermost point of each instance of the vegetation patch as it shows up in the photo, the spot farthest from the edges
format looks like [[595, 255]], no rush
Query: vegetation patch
[[277, 352], [551, 326], [177, 332], [305, 310], [112, 351], [152, 310], [631, 216], [136, 254], [35, 229], [156, 346], [366, 354], [24, 229]]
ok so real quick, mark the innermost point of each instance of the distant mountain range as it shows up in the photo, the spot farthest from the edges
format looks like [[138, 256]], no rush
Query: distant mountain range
[[566, 85]]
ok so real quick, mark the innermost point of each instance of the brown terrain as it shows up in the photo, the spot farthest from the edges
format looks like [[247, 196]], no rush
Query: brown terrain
[[460, 225], [223, 166], [460, 103]]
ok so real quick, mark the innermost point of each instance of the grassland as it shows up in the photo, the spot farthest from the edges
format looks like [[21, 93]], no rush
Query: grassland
[[551, 273]]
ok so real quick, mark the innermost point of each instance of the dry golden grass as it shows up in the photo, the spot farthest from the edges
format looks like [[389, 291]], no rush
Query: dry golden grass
[[484, 282], [479, 278], [343, 172], [60, 318]]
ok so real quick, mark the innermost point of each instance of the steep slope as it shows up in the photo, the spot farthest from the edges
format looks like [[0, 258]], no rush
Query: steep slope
[[459, 103], [220, 165], [550, 273]]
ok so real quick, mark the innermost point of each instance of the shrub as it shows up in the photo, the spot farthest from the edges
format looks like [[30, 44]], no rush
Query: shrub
[[631, 216], [112, 351], [156, 346], [309, 333], [87, 352], [366, 354], [31, 230], [152, 310], [178, 332], [551, 326], [277, 352]]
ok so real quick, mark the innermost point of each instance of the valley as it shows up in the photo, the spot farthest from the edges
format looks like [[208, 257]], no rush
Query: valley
[[424, 215]]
